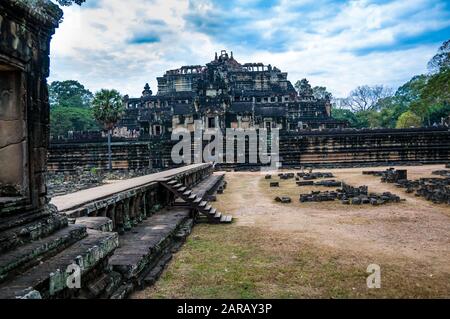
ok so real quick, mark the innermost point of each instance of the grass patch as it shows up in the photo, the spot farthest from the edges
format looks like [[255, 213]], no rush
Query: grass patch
[[246, 262]]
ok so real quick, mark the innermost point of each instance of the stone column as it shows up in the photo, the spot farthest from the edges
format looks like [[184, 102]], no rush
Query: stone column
[[110, 212], [126, 214], [138, 208], [118, 218]]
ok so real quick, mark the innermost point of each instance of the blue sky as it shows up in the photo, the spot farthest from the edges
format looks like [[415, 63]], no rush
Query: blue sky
[[334, 43]]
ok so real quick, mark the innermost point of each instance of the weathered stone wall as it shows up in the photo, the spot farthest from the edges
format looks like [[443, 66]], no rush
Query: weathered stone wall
[[340, 147], [125, 155], [364, 147], [25, 33]]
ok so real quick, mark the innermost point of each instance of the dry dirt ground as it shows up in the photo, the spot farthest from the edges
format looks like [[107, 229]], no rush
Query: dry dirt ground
[[310, 250]]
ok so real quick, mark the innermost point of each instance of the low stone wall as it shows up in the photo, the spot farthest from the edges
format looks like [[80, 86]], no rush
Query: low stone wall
[[125, 155], [36, 257], [333, 148], [128, 207], [363, 147]]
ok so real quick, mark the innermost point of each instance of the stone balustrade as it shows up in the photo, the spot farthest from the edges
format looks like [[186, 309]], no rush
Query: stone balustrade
[[128, 204]]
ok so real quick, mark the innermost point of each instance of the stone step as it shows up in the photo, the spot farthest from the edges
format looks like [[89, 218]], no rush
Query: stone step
[[16, 220], [202, 204], [197, 200], [49, 277], [218, 215], [29, 232], [180, 204], [176, 186], [96, 223], [208, 185], [207, 208], [192, 197], [32, 253], [156, 272], [212, 211], [187, 193], [172, 182], [226, 219], [143, 247], [182, 189]]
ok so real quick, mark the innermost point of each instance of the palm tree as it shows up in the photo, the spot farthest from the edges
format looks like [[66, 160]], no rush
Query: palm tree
[[108, 110]]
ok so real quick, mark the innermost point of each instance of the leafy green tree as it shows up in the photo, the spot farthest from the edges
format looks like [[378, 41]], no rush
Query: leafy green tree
[[438, 113], [108, 107], [64, 119], [108, 110], [390, 108], [69, 2], [411, 90], [320, 92], [344, 115], [437, 90], [408, 119], [433, 96], [441, 60], [365, 98], [303, 87], [69, 93]]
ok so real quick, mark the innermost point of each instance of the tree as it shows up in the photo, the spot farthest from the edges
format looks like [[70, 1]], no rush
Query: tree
[[344, 115], [433, 96], [108, 110], [303, 88], [437, 90], [69, 93], [365, 98], [389, 112], [441, 60], [70, 2], [321, 93], [408, 119], [64, 119], [438, 113]]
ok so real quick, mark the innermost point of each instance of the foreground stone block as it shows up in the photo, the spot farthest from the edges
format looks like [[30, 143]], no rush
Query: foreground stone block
[[283, 199]]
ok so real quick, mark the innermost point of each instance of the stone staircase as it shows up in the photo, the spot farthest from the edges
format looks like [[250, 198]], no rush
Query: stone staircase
[[196, 202], [35, 256]]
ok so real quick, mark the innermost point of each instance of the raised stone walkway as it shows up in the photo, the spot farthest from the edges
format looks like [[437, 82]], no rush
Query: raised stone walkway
[[73, 200]]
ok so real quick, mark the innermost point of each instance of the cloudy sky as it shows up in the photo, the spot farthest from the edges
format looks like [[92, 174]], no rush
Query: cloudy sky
[[334, 43]]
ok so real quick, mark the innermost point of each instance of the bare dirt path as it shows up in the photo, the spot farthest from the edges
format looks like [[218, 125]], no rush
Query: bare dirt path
[[415, 229], [305, 250]]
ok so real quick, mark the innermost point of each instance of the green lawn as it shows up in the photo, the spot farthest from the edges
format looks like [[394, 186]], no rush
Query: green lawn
[[231, 261]]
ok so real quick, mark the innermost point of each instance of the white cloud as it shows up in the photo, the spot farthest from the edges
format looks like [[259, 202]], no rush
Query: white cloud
[[321, 43]]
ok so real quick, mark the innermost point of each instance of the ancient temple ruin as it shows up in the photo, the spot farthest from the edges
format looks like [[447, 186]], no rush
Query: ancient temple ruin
[[64, 248], [226, 94]]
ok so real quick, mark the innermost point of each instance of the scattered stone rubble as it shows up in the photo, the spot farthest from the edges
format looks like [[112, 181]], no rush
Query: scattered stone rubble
[[274, 184], [325, 183], [317, 175], [305, 183], [351, 195], [318, 196], [286, 175], [444, 172], [283, 199], [436, 190], [390, 175], [328, 183]]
